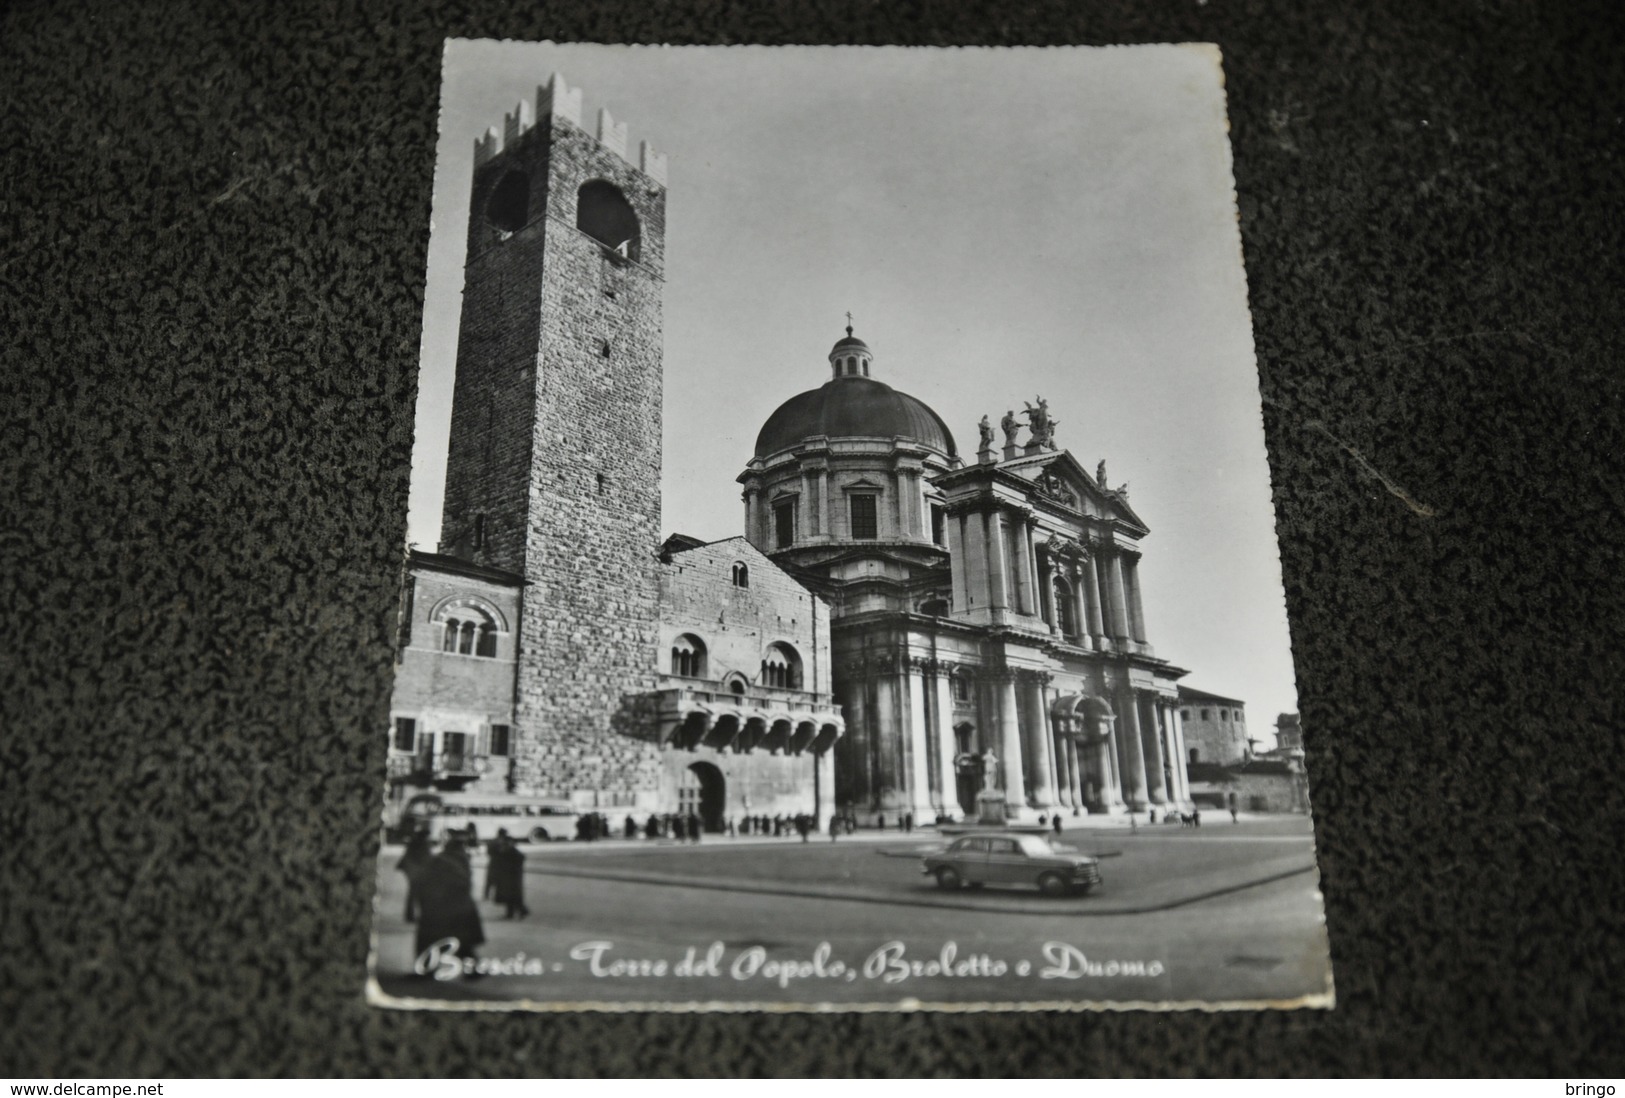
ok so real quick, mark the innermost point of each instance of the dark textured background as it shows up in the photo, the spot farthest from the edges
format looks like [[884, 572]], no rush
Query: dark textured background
[[213, 219]]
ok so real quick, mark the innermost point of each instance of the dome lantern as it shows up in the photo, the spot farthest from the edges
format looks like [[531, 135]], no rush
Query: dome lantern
[[850, 357]]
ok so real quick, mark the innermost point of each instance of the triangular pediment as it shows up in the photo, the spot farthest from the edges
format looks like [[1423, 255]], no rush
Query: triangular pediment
[[1058, 478]]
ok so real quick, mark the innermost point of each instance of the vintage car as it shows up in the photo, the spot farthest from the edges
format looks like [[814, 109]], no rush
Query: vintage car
[[1013, 859]]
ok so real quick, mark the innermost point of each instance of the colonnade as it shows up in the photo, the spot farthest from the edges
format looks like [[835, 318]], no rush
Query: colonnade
[[903, 746], [997, 567]]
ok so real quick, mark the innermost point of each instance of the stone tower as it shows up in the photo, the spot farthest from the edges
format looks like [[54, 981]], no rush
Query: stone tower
[[553, 470]]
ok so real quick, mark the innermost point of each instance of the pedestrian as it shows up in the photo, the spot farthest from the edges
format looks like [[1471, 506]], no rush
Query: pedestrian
[[880, 821], [1196, 818], [695, 826], [629, 828], [908, 822], [1233, 807], [1055, 821], [447, 910], [1133, 821], [490, 863], [508, 874], [802, 827], [417, 852]]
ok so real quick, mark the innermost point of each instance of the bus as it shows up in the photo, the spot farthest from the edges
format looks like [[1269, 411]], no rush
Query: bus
[[478, 817]]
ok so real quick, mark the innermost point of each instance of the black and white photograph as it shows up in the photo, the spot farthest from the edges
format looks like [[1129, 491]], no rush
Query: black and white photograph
[[841, 566]]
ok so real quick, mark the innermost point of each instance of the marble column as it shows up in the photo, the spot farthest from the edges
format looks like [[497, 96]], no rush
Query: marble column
[[1129, 751], [1131, 584], [954, 526], [1029, 565], [825, 526], [1063, 769], [1036, 743], [997, 572], [1091, 595], [811, 516], [919, 745], [1111, 781], [885, 744], [1181, 755], [1080, 604], [1117, 597], [1076, 776], [1156, 779], [750, 518], [946, 745], [1170, 747], [1101, 615], [1010, 762]]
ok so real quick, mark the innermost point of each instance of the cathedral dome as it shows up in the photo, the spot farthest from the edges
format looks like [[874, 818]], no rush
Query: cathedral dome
[[853, 405]]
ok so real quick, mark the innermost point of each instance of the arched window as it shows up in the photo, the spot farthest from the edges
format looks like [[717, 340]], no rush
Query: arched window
[[1063, 607], [604, 214], [508, 208], [741, 576], [688, 657], [781, 667], [468, 628]]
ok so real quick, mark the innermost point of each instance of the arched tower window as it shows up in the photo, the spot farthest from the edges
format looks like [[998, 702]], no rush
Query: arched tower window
[[688, 657], [604, 214], [781, 667], [741, 576], [508, 208]]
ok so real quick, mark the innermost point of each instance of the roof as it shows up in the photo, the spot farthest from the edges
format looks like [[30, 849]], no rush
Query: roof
[[853, 407], [457, 566], [1190, 693]]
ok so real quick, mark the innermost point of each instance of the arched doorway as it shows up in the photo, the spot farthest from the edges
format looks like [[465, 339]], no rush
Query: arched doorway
[[703, 791]]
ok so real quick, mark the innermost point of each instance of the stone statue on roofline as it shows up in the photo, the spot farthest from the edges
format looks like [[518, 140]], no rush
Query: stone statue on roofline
[[1011, 427], [1042, 423], [986, 430], [1100, 474]]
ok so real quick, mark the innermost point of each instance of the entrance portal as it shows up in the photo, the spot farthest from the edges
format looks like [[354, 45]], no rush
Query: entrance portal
[[704, 792]]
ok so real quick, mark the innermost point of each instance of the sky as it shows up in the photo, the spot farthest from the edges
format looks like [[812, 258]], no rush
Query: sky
[[1002, 224]]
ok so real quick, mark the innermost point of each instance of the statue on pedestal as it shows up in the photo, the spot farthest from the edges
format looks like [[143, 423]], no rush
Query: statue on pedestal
[[1042, 423], [1011, 426], [986, 430]]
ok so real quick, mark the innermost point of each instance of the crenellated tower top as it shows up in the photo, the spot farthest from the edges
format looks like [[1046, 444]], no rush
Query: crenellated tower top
[[558, 99]]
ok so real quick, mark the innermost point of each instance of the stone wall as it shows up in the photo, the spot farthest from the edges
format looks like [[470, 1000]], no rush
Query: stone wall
[[1216, 740], [737, 624], [554, 467]]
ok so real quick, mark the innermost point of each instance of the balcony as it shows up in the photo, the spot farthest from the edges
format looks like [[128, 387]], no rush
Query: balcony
[[448, 767], [694, 713]]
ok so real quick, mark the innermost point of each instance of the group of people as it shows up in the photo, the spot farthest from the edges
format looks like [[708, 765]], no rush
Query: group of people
[[440, 888]]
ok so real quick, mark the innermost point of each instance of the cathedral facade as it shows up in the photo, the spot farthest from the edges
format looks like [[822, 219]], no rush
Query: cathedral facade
[[897, 630]]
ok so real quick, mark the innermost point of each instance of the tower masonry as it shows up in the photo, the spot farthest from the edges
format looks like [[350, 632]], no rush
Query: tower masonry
[[553, 469]]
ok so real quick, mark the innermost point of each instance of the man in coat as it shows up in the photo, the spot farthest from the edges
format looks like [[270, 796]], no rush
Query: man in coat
[[446, 908]]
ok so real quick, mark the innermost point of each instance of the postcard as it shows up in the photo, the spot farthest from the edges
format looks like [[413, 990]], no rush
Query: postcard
[[842, 568]]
